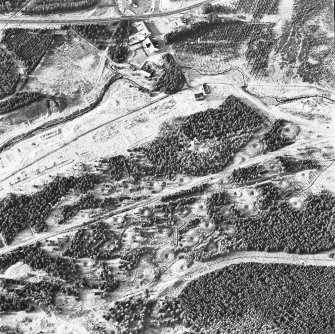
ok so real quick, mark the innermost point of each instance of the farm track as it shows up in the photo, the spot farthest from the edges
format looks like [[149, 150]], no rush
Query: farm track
[[172, 284], [321, 89], [11, 142], [272, 112], [203, 268], [275, 112], [73, 227], [7, 144], [234, 68], [82, 135], [283, 101], [212, 179]]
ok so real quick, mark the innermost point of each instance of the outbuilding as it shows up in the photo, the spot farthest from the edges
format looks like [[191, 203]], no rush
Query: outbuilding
[[199, 96], [206, 89]]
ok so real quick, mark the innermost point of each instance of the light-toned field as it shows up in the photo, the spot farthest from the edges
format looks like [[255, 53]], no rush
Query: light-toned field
[[107, 140], [71, 68]]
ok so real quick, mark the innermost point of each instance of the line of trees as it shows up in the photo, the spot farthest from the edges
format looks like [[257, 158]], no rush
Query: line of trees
[[245, 174], [18, 100], [194, 190], [119, 51]]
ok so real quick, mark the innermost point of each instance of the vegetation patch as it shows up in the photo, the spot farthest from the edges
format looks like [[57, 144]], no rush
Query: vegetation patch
[[258, 8], [305, 44], [28, 46], [27, 295], [226, 38], [9, 6], [84, 203], [38, 259], [19, 100], [275, 137], [182, 193], [9, 75], [216, 201], [278, 226], [293, 165], [119, 51], [259, 298], [88, 242], [224, 131], [218, 9], [173, 78], [98, 34], [20, 211], [246, 174], [57, 6], [131, 315], [130, 258], [10, 304]]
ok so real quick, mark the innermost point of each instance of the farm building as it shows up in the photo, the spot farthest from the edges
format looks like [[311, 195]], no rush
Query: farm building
[[199, 96], [148, 46], [145, 74], [141, 34], [206, 89]]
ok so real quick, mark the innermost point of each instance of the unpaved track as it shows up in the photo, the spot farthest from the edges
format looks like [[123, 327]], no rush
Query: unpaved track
[[16, 139], [82, 135], [211, 179], [171, 284], [74, 226], [268, 111], [203, 268]]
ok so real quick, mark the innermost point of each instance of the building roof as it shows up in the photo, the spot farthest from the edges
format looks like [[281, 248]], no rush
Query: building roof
[[199, 96]]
